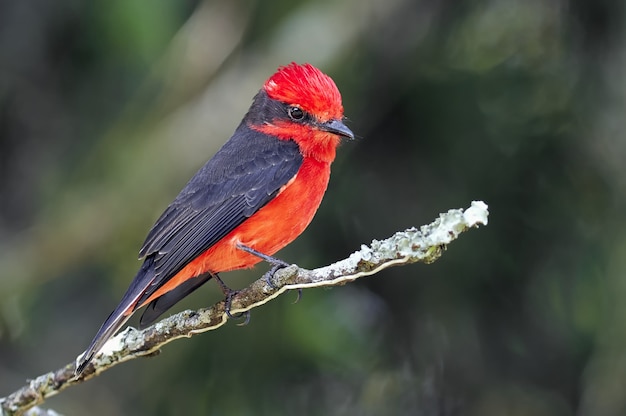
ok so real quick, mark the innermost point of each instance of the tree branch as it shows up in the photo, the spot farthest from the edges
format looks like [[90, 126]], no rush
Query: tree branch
[[424, 245]]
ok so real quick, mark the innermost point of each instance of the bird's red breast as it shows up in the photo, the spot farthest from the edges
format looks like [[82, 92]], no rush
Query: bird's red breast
[[270, 229]]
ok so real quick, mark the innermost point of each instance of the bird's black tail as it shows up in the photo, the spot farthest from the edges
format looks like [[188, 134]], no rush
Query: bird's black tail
[[119, 316], [161, 304]]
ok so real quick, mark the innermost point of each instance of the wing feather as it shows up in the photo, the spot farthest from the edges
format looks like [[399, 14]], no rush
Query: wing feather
[[243, 176]]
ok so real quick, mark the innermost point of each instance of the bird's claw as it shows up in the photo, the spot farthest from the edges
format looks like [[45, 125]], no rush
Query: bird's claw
[[229, 294], [246, 316], [271, 272], [227, 306], [299, 297]]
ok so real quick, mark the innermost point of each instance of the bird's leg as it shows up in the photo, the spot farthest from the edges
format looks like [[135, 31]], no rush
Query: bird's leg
[[229, 293], [276, 264], [273, 261]]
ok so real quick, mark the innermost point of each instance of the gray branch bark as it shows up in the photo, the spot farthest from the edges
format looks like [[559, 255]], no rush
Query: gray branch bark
[[424, 245]]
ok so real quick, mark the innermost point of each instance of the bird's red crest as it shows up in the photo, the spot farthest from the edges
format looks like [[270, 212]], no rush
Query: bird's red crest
[[307, 87]]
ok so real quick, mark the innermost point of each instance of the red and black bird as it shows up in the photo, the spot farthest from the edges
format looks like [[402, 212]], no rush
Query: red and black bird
[[255, 196]]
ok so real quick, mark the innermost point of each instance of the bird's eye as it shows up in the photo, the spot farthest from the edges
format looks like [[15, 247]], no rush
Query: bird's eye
[[296, 113]]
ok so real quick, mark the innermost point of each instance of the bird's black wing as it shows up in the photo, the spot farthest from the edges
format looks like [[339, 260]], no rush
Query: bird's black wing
[[243, 176]]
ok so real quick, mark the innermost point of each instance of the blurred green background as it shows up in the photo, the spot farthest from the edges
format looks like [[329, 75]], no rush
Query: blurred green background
[[108, 107]]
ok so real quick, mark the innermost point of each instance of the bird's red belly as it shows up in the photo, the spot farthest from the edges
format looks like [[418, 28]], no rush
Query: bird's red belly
[[270, 229]]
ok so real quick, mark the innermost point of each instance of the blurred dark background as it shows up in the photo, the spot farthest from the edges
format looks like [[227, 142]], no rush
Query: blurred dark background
[[108, 107]]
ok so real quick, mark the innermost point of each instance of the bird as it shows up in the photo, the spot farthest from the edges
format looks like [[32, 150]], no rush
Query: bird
[[252, 198]]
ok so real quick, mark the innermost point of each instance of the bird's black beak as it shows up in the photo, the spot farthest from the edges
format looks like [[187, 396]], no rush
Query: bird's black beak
[[337, 127]]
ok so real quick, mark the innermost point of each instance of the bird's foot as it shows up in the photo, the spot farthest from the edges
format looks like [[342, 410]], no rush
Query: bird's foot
[[270, 274], [276, 264], [229, 294]]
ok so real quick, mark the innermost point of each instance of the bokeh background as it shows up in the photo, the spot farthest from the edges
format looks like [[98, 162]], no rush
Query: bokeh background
[[107, 107]]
